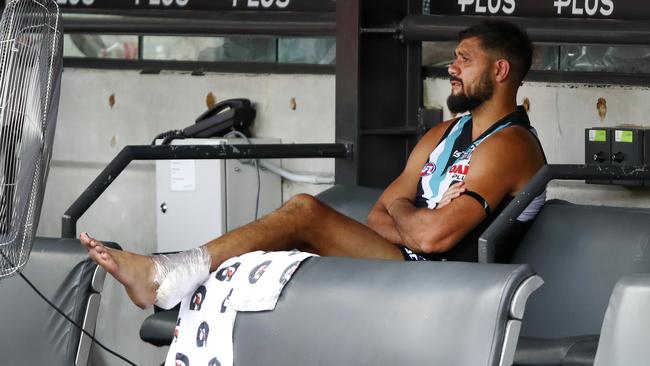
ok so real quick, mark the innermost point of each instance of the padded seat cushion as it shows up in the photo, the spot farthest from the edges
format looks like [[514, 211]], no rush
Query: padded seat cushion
[[580, 251], [35, 333], [571, 351], [352, 201], [625, 336], [343, 311]]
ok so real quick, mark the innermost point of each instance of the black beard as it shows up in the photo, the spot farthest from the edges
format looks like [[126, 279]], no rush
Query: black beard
[[462, 102]]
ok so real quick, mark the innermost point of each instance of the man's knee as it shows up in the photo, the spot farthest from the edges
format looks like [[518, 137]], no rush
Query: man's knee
[[304, 203]]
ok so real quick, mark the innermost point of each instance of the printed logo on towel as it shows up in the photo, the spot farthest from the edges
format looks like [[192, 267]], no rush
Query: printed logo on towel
[[225, 274], [223, 303], [182, 360], [428, 169], [202, 335], [198, 298], [176, 330], [288, 272], [214, 362], [257, 272]]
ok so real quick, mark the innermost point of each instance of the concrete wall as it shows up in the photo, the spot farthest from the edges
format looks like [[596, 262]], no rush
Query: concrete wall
[[560, 113], [102, 111]]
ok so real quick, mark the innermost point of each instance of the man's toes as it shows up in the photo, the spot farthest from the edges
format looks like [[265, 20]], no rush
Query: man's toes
[[87, 241]]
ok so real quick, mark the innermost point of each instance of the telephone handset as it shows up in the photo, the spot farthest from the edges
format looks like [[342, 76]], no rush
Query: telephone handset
[[232, 114], [229, 115]]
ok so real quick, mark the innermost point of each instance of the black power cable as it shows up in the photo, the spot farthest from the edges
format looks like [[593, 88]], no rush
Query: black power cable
[[75, 323], [51, 304]]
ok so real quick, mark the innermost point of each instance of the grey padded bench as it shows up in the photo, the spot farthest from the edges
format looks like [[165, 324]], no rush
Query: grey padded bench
[[342, 311], [35, 334], [580, 251], [625, 334]]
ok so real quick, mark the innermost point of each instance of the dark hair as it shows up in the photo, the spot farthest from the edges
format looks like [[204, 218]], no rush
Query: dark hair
[[506, 38]]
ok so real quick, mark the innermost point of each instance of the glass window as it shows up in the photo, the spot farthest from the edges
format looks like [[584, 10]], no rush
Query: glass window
[[230, 49], [623, 59], [307, 50], [101, 46], [298, 50], [438, 54], [619, 59]]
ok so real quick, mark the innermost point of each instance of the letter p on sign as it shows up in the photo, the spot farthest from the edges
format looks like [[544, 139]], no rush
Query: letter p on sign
[[559, 4], [464, 3]]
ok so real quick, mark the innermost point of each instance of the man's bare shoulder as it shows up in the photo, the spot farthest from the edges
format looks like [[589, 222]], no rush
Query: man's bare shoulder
[[514, 142], [513, 154]]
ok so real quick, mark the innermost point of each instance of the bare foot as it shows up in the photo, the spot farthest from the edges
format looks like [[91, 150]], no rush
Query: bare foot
[[135, 272]]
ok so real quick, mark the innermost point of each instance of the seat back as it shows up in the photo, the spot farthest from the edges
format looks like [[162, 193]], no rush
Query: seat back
[[61, 270], [343, 311], [625, 335], [580, 251], [352, 201]]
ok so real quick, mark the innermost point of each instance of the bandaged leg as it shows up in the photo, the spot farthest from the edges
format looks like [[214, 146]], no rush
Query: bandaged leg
[[178, 275]]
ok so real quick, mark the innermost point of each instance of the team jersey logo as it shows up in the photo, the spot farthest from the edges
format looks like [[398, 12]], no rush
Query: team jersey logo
[[462, 155], [458, 171], [428, 169]]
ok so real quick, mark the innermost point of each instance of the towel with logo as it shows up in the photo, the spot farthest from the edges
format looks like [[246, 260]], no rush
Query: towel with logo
[[251, 282]]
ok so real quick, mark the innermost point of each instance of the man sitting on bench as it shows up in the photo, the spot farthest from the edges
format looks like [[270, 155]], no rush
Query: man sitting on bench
[[435, 209]]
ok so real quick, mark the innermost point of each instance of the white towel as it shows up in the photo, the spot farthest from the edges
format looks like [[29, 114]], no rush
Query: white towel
[[251, 282]]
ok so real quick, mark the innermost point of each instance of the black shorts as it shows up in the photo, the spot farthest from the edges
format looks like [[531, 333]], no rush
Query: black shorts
[[410, 255]]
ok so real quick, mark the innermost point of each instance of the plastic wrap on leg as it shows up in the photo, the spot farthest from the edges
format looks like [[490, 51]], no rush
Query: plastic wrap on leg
[[178, 275]]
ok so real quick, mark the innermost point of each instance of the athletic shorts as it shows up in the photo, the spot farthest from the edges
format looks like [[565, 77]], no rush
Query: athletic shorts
[[410, 255]]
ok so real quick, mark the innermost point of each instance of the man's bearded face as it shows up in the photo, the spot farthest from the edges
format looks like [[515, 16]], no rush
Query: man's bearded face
[[470, 97]]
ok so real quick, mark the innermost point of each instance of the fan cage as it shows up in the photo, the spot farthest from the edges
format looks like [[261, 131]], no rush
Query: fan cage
[[30, 71]]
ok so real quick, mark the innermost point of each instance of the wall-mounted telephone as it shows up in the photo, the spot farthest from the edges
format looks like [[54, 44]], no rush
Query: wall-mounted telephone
[[229, 115]]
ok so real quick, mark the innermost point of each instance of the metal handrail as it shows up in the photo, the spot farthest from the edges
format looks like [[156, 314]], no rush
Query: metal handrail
[[228, 23], [489, 240], [183, 152]]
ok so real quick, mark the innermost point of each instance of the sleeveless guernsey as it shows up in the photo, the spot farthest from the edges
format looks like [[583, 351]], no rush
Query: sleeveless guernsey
[[448, 164]]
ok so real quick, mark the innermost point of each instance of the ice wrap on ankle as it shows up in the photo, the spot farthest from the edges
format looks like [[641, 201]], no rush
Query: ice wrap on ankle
[[178, 275]]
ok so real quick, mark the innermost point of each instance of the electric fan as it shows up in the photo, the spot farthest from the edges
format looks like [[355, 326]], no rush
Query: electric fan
[[30, 74]]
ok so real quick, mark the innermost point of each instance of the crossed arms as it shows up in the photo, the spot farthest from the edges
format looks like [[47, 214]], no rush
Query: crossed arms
[[500, 166]]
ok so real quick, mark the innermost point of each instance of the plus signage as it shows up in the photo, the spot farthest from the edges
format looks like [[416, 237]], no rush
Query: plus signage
[[603, 9], [202, 5]]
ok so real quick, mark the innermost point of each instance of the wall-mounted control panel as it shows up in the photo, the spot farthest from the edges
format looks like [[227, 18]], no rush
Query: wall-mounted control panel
[[617, 146], [598, 149]]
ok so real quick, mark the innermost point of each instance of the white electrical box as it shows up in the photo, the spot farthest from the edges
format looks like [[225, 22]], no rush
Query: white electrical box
[[200, 200]]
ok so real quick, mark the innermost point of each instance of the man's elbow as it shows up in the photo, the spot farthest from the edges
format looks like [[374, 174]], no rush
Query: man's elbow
[[435, 242]]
